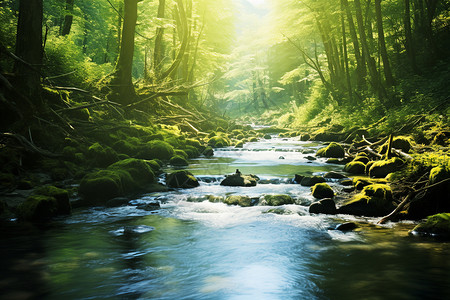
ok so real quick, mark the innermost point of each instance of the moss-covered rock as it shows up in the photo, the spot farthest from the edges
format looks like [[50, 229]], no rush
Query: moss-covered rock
[[239, 179], [333, 150], [100, 186], [208, 152], [243, 201], [436, 225], [253, 139], [239, 144], [311, 180], [401, 142], [101, 156], [361, 183], [321, 191], [382, 168], [128, 147], [178, 161], [181, 153], [220, 140], [141, 173], [355, 167], [38, 208], [324, 206], [61, 196], [3, 207], [374, 201], [156, 149], [362, 158], [215, 199], [181, 179], [191, 152], [276, 200]]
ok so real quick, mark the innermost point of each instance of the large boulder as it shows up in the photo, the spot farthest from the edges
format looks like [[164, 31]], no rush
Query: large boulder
[[141, 172], [181, 179], [355, 167], [243, 201], [101, 156], [374, 201], [61, 196], [324, 206], [333, 150], [276, 200], [382, 168], [38, 208], [156, 149], [403, 143], [98, 187], [311, 180], [239, 179], [322, 190], [436, 225], [178, 161]]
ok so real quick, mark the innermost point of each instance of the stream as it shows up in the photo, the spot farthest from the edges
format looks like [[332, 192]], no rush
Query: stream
[[194, 249]]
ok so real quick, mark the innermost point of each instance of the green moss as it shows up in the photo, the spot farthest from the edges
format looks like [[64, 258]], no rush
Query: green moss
[[181, 153], [178, 161], [125, 147], [239, 144], [401, 142], [215, 199], [208, 152], [156, 149], [100, 186], [38, 208], [277, 200], [181, 179], [333, 150], [7, 180], [435, 225], [243, 201], [140, 171], [101, 156], [194, 143], [322, 190], [191, 152], [219, 141], [438, 174], [362, 158], [61, 196], [382, 168], [355, 167]]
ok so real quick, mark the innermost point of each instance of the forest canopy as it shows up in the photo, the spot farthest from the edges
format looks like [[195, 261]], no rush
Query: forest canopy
[[297, 60]]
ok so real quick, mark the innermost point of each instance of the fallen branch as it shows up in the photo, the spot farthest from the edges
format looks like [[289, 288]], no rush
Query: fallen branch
[[28, 145], [409, 197]]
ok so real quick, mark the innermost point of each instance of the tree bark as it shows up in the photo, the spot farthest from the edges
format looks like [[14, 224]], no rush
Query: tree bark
[[361, 70], [382, 43], [409, 43], [159, 45], [68, 18], [345, 54], [29, 49], [121, 82]]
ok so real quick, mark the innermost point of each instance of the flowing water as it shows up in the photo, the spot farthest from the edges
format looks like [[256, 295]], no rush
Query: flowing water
[[195, 249]]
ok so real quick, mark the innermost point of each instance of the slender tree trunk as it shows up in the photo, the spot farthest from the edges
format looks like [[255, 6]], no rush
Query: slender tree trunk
[[68, 18], [159, 43], [374, 76], [409, 43], [29, 49], [121, 82], [361, 71], [345, 54], [386, 65]]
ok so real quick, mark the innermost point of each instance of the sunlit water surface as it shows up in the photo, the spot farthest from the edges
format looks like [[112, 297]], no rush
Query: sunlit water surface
[[194, 249]]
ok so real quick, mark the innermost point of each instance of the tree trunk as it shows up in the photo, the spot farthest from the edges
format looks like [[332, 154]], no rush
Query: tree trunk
[[409, 43], [374, 76], [361, 71], [68, 18], [159, 44], [345, 54], [121, 82], [29, 49], [382, 43]]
